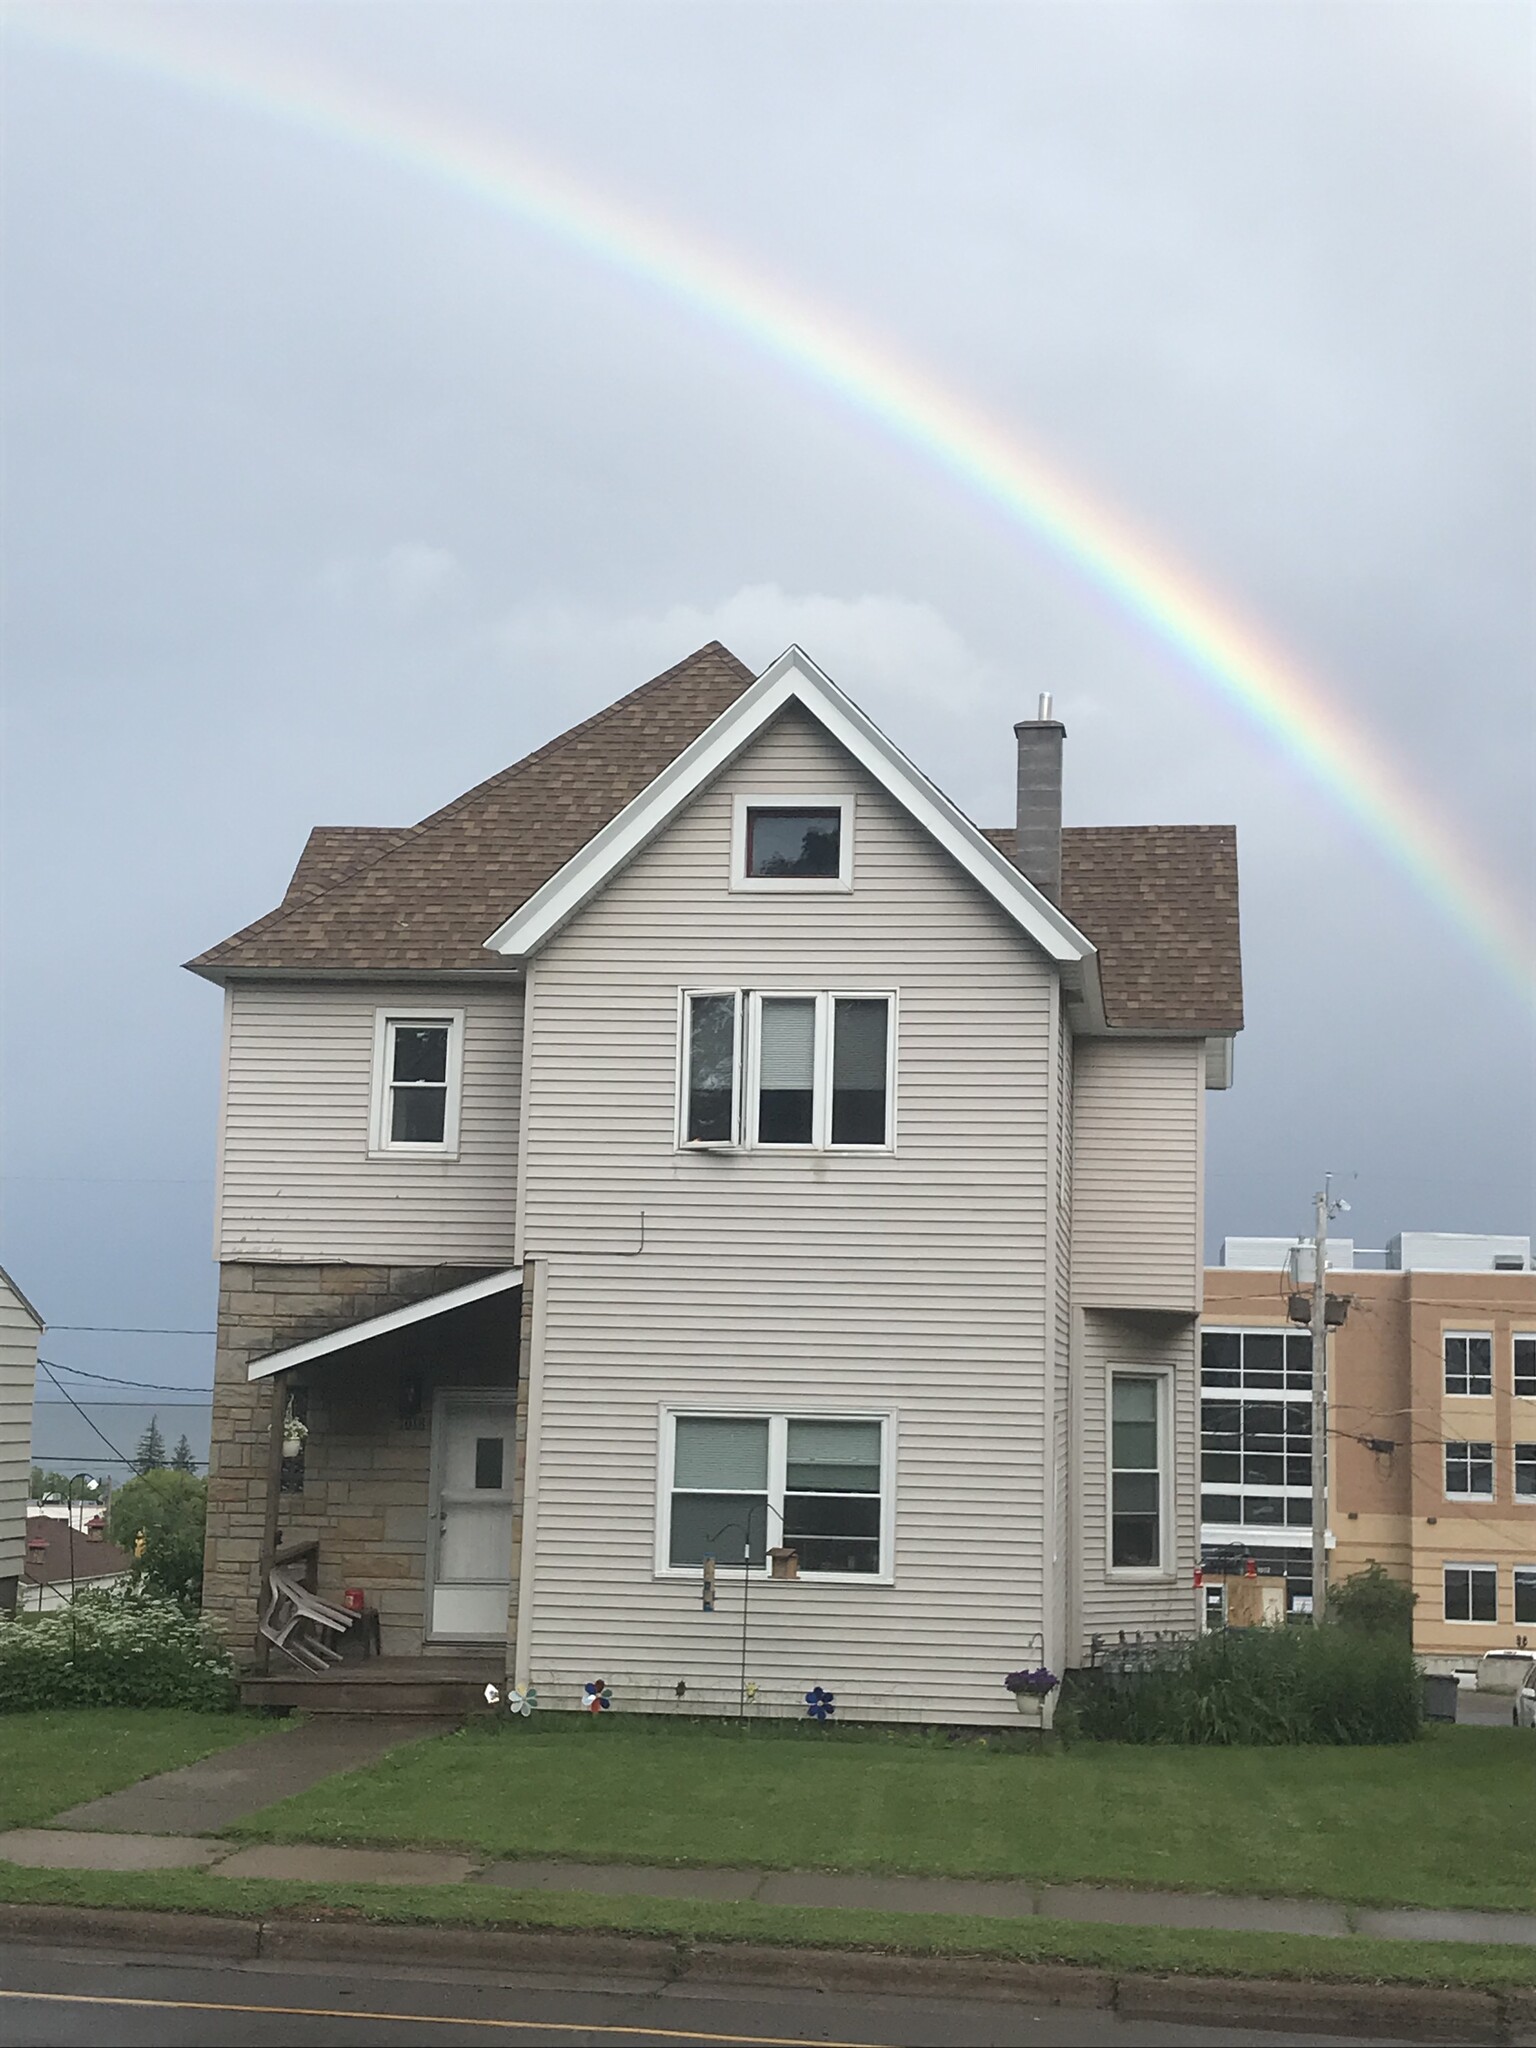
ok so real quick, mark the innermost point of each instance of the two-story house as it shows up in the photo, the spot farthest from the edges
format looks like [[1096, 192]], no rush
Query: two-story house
[[697, 1212]]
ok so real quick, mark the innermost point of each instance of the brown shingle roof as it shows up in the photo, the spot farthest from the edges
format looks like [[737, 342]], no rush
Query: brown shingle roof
[[1159, 901], [50, 1539], [430, 899], [1160, 904]]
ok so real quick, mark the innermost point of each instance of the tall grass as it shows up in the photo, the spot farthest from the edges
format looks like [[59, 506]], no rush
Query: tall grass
[[1259, 1686]]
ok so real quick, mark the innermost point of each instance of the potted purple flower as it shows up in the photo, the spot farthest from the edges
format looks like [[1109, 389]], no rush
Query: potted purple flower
[[1037, 1685]]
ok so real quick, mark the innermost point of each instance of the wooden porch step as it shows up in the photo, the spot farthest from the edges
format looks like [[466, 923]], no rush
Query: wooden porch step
[[437, 1688]]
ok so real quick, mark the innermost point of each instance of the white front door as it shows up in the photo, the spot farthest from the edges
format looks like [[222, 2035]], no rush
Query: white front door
[[473, 1439]]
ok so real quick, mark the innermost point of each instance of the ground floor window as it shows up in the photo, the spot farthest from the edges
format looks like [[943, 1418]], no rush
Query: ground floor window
[[1525, 1592], [1137, 1429], [738, 1486], [1471, 1592]]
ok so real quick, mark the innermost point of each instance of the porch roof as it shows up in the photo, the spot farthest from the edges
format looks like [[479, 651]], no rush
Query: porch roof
[[380, 1326]]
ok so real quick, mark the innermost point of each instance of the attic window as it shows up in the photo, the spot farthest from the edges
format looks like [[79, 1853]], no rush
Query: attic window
[[783, 842]]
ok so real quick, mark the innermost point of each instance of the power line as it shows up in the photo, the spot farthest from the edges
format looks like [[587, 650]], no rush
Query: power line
[[132, 1330], [69, 1397], [108, 1379]]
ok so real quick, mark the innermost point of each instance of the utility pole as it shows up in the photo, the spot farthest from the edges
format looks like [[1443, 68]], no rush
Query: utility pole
[[1320, 1408]]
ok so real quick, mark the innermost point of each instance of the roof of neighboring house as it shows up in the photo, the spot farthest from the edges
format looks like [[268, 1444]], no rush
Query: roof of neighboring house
[[11, 1288], [1159, 902], [49, 1542]]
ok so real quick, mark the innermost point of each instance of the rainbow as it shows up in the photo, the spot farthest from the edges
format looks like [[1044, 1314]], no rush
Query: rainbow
[[1289, 711]]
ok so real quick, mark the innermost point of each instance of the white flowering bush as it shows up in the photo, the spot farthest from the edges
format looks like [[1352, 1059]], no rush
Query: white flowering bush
[[125, 1648]]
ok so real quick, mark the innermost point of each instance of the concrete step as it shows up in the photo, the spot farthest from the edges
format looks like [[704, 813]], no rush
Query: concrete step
[[397, 1689]]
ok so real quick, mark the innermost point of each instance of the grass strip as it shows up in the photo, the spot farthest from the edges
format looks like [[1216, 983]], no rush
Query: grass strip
[[1444, 1822], [1193, 1952], [60, 1757]]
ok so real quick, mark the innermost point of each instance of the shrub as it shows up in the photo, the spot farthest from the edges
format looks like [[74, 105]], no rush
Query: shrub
[[114, 1649], [159, 1519], [1261, 1686], [1372, 1603]]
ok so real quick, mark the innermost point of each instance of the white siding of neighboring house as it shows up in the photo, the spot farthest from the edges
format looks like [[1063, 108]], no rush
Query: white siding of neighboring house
[[296, 1181], [917, 1283], [1107, 1601], [18, 1373], [1137, 1157]]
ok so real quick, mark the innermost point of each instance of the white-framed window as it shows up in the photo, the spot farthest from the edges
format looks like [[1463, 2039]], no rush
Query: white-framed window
[[1138, 1472], [418, 1064], [1469, 1471], [1525, 1471], [792, 842], [1471, 1592], [1525, 1362], [789, 1070], [735, 1485], [1525, 1592], [1468, 1362]]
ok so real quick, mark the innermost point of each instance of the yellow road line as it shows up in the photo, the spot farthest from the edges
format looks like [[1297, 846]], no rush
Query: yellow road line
[[429, 2019]]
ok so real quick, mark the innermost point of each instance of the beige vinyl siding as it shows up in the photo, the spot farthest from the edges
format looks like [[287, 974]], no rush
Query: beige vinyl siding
[[1138, 1128], [18, 1373], [1062, 1181], [913, 1284], [1107, 1602], [296, 1181]]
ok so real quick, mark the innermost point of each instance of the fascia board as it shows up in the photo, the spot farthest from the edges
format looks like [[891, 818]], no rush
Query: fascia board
[[21, 1300], [794, 677], [380, 1326]]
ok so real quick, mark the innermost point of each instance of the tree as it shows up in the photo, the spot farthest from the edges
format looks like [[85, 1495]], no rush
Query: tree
[[60, 1486], [158, 1518], [1373, 1603], [150, 1455], [182, 1459]]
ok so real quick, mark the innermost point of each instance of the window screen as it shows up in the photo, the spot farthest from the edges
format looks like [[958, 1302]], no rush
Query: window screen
[[860, 1029], [832, 1495], [418, 1084], [786, 1098], [1135, 1479], [719, 1489]]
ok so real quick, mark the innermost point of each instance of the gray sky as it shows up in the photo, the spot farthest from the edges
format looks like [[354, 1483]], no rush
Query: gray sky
[[329, 491]]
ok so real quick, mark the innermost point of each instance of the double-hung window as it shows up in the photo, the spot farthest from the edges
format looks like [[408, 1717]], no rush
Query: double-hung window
[[1468, 1363], [1138, 1434], [787, 1070], [1525, 1471], [1471, 1592], [417, 1065], [1525, 1364], [739, 1486], [1469, 1471], [1525, 1592]]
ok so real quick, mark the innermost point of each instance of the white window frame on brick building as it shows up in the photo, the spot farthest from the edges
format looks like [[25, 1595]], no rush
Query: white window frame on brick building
[[1471, 1578], [1523, 1346], [387, 1025], [1461, 1382], [1469, 1471]]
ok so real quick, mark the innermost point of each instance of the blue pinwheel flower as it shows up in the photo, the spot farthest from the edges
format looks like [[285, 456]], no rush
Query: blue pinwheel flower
[[818, 1704], [598, 1699]]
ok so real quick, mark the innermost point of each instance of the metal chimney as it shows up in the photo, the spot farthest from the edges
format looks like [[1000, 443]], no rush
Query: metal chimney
[[1038, 844]]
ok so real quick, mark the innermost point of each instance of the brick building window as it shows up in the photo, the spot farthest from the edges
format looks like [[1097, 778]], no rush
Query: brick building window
[[1468, 1362], [1525, 1365], [1525, 1471], [1471, 1592], [1469, 1471]]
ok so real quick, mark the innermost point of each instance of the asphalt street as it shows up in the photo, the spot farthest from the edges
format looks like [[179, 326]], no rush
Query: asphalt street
[[62, 1998]]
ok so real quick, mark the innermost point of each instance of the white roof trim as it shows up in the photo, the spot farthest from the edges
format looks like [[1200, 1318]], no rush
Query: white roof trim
[[21, 1300], [795, 678], [380, 1326]]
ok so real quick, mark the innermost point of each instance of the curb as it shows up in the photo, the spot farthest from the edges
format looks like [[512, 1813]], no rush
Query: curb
[[1360, 2011]]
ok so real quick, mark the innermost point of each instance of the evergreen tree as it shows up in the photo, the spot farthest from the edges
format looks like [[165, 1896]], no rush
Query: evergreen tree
[[182, 1459], [150, 1455]]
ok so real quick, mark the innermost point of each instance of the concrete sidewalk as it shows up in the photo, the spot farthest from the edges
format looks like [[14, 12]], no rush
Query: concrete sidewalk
[[56, 1848]]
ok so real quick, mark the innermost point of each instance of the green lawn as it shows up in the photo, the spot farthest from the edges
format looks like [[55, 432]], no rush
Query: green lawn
[[51, 1761], [1446, 1821], [686, 1921]]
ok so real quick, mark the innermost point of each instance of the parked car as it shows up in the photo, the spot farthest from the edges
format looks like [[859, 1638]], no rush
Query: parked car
[[1525, 1702], [1505, 1670]]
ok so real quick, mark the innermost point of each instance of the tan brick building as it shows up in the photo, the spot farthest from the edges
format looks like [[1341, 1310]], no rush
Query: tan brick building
[[1432, 1431]]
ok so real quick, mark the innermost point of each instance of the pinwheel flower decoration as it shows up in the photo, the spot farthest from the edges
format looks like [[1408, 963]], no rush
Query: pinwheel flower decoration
[[515, 1702], [818, 1704], [597, 1698]]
